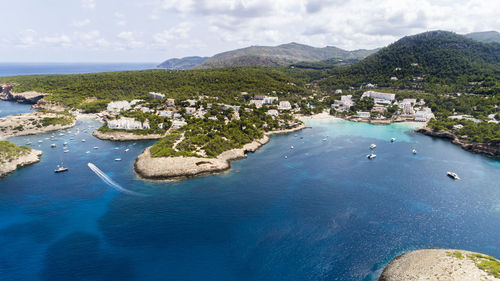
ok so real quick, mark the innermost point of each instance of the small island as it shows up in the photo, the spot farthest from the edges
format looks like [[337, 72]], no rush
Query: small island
[[35, 123], [442, 264], [13, 156]]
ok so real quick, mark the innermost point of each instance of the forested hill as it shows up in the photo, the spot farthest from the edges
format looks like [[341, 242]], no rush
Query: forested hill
[[485, 36], [182, 63], [437, 58], [280, 55]]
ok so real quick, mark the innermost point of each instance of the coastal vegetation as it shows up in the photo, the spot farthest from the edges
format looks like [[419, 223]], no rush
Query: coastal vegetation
[[10, 151]]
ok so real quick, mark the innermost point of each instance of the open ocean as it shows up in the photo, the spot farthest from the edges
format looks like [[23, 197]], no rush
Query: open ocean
[[324, 213]]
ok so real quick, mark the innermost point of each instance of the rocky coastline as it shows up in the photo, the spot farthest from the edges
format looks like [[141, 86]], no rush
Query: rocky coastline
[[179, 168], [437, 264], [487, 149], [24, 97], [29, 124], [124, 136], [7, 167]]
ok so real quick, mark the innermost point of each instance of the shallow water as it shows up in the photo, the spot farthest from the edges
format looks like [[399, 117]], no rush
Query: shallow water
[[324, 213]]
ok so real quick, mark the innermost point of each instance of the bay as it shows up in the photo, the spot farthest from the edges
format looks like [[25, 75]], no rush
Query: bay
[[325, 212]]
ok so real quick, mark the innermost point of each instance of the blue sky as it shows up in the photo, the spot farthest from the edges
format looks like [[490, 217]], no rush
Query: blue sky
[[154, 30]]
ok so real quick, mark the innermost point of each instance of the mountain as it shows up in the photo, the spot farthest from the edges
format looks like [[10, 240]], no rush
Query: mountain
[[486, 36], [436, 57], [280, 55], [182, 63]]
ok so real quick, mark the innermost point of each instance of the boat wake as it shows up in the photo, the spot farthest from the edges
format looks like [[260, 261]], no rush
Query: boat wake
[[110, 182]]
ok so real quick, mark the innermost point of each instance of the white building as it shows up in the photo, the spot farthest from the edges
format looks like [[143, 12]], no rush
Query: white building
[[156, 96], [191, 102], [272, 112], [171, 102], [176, 124], [378, 95], [458, 127], [409, 101], [338, 91], [127, 124], [190, 110], [258, 103], [166, 113], [284, 105], [408, 109], [394, 78], [235, 108], [269, 100], [362, 114], [424, 115]]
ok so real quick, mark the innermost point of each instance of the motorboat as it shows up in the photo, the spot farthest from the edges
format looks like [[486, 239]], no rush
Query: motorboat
[[453, 175], [53, 145], [87, 152], [118, 159], [414, 151], [291, 147], [393, 139], [371, 156], [83, 140], [372, 146], [127, 150], [96, 147], [60, 169], [65, 143]]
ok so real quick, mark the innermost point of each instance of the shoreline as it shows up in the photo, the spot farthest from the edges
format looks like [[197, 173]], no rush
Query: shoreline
[[11, 123], [437, 264], [478, 148], [124, 136], [180, 168], [32, 157]]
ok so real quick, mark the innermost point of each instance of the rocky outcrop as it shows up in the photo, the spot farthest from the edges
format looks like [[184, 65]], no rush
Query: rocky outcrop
[[7, 167], [32, 124], [488, 149], [438, 264], [25, 97], [177, 168], [124, 136], [49, 105]]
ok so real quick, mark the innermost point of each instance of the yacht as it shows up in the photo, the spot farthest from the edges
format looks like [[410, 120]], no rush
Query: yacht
[[83, 140], [87, 152], [414, 151], [393, 139], [96, 147], [127, 150], [453, 175], [372, 146], [65, 151], [28, 143], [53, 145], [118, 159], [40, 141], [291, 147], [324, 139], [371, 156], [60, 169], [65, 143]]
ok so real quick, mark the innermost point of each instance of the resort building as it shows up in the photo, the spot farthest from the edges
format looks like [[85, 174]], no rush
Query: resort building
[[424, 115], [258, 103], [379, 96], [166, 113], [117, 106], [259, 97], [176, 124], [272, 112], [362, 114], [190, 110], [284, 105], [128, 124], [270, 100], [156, 96]]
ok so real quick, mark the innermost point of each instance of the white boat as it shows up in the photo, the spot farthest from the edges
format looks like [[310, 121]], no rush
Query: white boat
[[286, 157], [96, 147], [28, 143], [65, 143], [291, 147], [393, 139], [60, 169], [116, 148], [66, 151], [372, 146], [371, 156], [127, 150], [61, 134], [453, 175], [414, 151], [324, 139], [40, 141], [118, 159], [87, 152], [53, 145], [83, 140]]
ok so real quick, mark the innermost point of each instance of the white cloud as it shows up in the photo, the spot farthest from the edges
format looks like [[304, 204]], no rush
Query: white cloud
[[128, 40], [81, 23], [120, 19], [89, 4], [180, 31], [27, 38]]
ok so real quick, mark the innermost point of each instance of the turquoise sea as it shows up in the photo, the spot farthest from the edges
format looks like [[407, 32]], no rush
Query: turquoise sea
[[325, 212]]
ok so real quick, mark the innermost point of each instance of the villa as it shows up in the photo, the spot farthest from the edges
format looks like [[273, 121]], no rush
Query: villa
[[128, 124], [284, 105], [156, 96], [378, 96]]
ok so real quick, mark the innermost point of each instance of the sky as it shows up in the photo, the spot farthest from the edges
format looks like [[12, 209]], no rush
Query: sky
[[155, 30]]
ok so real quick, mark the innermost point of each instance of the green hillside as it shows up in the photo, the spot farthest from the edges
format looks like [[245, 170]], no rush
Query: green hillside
[[434, 61], [485, 36]]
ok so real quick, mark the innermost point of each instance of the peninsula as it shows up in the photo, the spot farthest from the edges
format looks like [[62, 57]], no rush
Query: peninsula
[[35, 123], [13, 156], [442, 264]]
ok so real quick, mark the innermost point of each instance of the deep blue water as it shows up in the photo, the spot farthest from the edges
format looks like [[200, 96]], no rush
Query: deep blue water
[[11, 69], [12, 108], [324, 213]]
